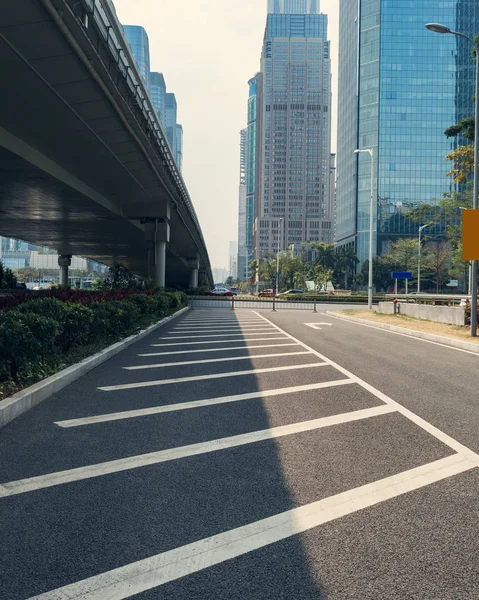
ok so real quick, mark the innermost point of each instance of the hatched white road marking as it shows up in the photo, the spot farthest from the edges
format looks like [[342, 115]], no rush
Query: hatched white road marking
[[153, 458], [131, 386], [213, 360], [156, 410], [140, 576], [221, 342], [228, 349], [420, 422]]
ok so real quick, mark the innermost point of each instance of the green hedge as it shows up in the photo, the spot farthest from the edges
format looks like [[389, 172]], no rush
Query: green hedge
[[39, 337]]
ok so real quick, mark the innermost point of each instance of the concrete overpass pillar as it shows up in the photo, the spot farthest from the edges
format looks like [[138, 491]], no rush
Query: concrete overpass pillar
[[64, 261], [162, 238], [150, 232], [194, 266]]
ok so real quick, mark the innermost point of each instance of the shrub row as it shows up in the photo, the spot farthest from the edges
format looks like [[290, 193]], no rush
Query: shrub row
[[36, 336]]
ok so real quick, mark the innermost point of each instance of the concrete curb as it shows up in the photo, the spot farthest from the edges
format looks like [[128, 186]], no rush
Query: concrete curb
[[13, 406], [430, 337]]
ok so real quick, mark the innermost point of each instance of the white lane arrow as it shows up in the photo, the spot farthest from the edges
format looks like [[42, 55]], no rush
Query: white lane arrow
[[317, 325]]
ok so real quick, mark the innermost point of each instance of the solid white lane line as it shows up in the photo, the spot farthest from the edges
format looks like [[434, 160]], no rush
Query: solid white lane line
[[216, 350], [221, 342], [156, 410], [131, 386], [153, 458], [190, 337], [419, 421], [149, 573], [413, 337], [213, 360]]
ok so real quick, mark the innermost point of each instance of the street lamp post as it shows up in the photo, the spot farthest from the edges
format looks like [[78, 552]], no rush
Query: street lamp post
[[371, 227], [438, 28], [277, 256], [421, 229]]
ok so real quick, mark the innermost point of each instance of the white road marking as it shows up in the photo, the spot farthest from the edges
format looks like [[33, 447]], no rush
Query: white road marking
[[213, 360], [131, 386], [412, 337], [151, 354], [190, 337], [156, 410], [221, 342], [317, 325], [210, 325], [153, 458], [140, 576], [420, 422], [233, 330]]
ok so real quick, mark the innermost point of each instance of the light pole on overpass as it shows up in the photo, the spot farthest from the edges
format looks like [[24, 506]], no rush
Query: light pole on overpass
[[438, 28], [371, 227]]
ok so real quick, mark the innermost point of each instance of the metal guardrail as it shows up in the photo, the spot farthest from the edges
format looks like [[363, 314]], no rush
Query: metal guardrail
[[262, 303], [111, 30], [449, 299]]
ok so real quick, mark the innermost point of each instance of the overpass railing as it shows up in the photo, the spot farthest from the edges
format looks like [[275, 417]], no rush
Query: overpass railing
[[103, 15]]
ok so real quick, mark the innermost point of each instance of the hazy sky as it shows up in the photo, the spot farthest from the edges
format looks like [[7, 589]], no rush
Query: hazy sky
[[207, 51]]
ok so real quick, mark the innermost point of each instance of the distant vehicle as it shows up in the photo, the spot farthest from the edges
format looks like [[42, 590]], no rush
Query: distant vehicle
[[291, 293], [20, 285], [234, 290], [266, 294], [219, 291]]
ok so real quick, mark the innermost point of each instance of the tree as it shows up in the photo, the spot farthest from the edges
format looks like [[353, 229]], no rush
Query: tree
[[253, 268], [267, 269], [119, 277], [382, 268], [230, 281], [462, 159], [346, 262], [7, 278], [438, 260], [325, 255], [403, 254], [322, 276]]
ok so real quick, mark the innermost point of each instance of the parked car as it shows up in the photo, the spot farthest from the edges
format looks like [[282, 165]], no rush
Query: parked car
[[292, 292], [266, 294], [219, 291]]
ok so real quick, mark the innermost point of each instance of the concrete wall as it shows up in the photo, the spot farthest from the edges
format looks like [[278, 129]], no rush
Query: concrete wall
[[440, 314]]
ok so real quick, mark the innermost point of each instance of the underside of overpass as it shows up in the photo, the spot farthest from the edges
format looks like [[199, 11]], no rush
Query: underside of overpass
[[80, 168]]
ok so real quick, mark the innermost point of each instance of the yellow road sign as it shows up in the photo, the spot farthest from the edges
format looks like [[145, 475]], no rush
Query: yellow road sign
[[470, 235]]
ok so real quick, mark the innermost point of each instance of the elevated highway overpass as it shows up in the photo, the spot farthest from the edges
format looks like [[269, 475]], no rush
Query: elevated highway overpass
[[85, 166]]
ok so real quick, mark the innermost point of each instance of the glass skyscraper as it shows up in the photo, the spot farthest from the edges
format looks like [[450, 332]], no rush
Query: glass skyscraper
[[293, 127], [242, 252], [140, 47], [400, 87], [158, 95]]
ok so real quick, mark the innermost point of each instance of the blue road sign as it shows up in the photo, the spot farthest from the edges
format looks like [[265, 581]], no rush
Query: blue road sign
[[401, 275]]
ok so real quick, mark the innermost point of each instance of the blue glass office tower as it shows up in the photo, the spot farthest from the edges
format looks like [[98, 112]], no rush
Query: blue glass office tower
[[295, 130], [140, 47], [158, 95], [400, 87]]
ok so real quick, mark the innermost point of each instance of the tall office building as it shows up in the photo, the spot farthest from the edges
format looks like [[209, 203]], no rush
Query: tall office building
[[243, 269], [174, 131], [158, 95], [233, 259], [291, 119], [300, 7], [400, 87], [140, 47]]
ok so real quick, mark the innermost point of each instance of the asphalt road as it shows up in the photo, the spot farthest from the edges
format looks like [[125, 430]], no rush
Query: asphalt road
[[254, 456]]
